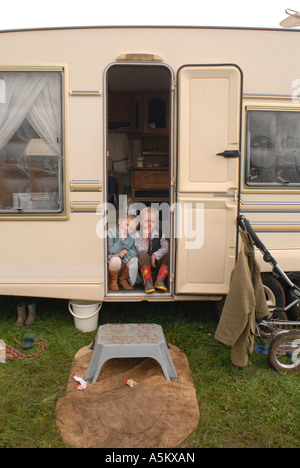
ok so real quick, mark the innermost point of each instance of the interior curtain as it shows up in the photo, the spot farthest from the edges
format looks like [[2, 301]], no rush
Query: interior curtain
[[44, 114], [118, 147], [35, 95]]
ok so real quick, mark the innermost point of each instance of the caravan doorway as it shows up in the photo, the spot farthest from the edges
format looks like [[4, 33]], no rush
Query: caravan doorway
[[138, 166]]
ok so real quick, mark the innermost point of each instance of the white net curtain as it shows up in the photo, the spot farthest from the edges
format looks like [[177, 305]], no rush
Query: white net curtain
[[30, 107]]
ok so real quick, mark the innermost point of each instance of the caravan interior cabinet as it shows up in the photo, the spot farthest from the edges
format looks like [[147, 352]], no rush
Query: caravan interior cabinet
[[119, 112], [149, 183], [156, 113], [151, 113]]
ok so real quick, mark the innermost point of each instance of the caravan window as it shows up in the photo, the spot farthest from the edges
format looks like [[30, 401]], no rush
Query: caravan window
[[273, 148], [31, 142]]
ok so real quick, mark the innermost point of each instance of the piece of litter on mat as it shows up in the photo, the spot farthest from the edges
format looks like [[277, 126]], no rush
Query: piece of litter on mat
[[131, 383], [82, 383]]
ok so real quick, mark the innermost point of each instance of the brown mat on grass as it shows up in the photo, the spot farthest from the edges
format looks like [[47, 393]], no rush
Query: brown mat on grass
[[110, 414]]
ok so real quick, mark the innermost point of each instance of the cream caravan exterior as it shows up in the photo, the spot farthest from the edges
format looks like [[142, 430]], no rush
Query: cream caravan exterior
[[205, 120]]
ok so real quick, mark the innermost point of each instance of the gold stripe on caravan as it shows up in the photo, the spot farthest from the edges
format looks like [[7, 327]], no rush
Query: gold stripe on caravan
[[271, 207], [85, 93], [275, 226], [86, 186], [85, 207], [32, 68]]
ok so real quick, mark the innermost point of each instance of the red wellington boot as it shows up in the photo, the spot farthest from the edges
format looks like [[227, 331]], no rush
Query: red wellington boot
[[147, 277], [162, 275]]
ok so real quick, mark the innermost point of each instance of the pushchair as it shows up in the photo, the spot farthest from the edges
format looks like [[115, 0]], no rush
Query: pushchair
[[278, 337]]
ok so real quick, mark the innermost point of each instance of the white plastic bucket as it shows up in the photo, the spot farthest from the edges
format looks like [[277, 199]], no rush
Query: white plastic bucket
[[85, 314]]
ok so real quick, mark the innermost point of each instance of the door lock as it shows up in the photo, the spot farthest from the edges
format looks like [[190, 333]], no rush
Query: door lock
[[230, 154]]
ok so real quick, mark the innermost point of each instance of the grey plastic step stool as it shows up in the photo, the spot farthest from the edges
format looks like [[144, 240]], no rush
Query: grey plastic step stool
[[130, 341]]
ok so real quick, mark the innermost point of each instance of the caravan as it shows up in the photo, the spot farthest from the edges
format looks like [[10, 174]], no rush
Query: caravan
[[201, 123]]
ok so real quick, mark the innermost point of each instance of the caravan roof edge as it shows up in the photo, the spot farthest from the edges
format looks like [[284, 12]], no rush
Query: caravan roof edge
[[58, 28]]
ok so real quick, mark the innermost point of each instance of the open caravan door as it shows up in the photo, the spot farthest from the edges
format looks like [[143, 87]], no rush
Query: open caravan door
[[209, 111]]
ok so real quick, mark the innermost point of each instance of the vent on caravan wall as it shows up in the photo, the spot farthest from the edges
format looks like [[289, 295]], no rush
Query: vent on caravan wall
[[139, 58]]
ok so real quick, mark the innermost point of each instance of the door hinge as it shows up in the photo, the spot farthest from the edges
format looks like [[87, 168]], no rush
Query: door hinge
[[173, 182]]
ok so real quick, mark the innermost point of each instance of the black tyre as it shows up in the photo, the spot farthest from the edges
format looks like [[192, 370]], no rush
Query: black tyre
[[274, 291], [284, 351], [294, 312]]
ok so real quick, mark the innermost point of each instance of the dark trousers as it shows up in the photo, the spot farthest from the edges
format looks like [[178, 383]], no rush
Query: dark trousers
[[145, 260]]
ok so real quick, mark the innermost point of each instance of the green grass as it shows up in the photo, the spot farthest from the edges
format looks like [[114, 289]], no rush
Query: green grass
[[254, 406]]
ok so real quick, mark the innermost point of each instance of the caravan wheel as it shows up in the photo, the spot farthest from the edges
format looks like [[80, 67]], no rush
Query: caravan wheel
[[294, 312], [273, 290]]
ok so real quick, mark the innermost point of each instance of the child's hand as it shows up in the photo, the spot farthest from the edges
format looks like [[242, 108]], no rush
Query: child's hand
[[153, 258], [122, 253], [146, 234], [123, 233]]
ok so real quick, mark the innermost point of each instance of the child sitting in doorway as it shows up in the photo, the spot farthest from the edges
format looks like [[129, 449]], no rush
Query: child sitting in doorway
[[152, 248], [122, 259]]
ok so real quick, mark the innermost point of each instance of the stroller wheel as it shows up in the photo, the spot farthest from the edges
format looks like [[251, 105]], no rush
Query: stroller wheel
[[284, 351]]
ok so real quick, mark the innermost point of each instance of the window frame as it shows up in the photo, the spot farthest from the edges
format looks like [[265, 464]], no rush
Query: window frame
[[64, 214], [269, 104]]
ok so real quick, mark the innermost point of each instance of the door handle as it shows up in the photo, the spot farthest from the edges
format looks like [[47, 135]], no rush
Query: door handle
[[230, 154]]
